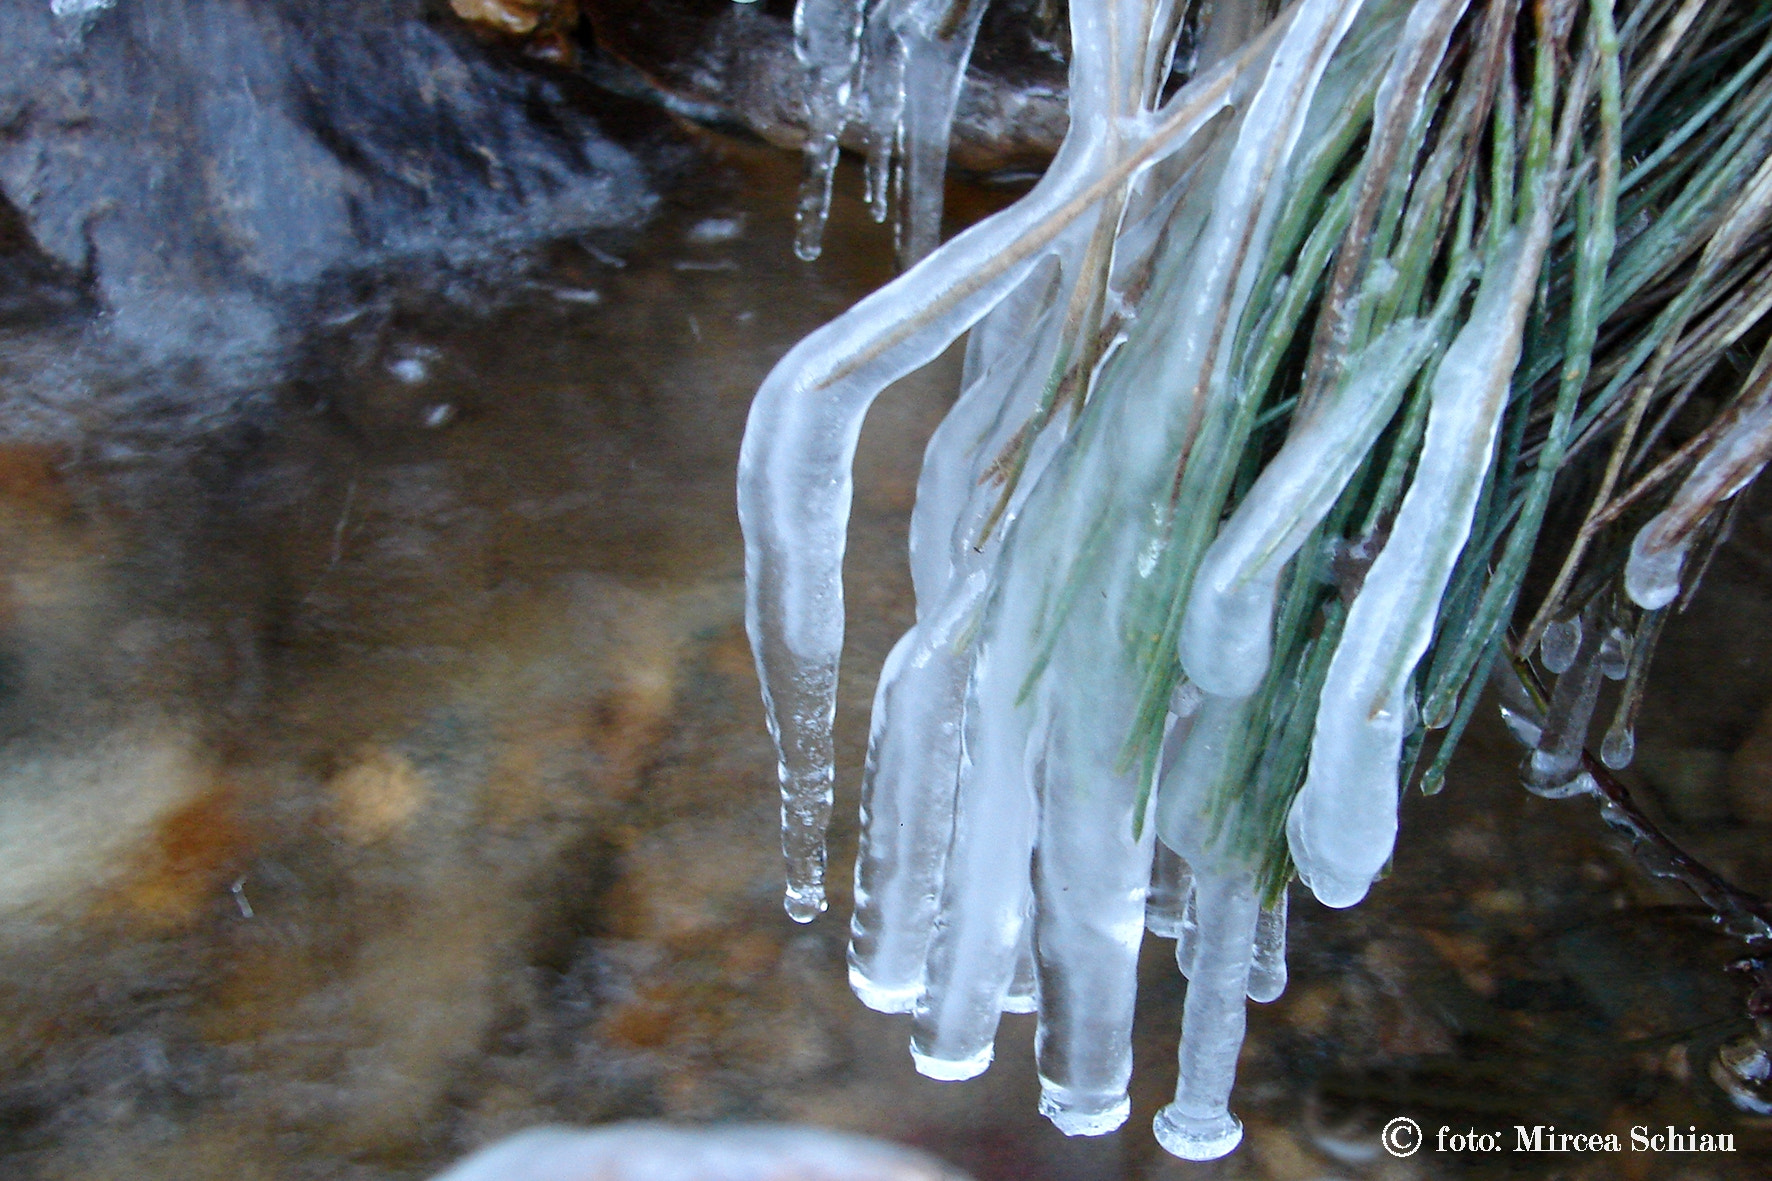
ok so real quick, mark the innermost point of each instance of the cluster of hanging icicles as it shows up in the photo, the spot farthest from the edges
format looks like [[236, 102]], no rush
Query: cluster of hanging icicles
[[1267, 384]]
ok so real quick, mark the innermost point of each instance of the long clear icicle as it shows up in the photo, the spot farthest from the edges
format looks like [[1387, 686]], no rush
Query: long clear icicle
[[914, 749], [1198, 1124], [937, 38], [827, 38]]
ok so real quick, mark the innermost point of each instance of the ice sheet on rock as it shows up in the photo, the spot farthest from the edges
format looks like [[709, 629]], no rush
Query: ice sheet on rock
[[1227, 630], [1343, 823]]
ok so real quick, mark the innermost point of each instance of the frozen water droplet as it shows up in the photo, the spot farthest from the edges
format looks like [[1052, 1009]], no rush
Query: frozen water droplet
[[1562, 639], [1619, 748]]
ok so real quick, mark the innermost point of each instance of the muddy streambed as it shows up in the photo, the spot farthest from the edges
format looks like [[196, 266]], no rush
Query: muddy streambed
[[387, 774]]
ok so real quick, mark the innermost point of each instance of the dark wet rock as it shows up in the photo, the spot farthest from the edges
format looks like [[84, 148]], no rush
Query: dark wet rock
[[734, 63], [200, 164]]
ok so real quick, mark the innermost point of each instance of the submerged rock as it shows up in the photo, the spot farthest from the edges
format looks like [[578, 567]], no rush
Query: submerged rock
[[200, 164]]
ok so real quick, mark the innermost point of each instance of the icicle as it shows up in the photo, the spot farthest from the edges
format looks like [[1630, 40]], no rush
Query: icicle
[[1652, 575], [908, 802], [827, 37], [1620, 745], [1553, 769], [1090, 875], [1657, 553], [938, 36], [1562, 639], [1267, 970], [975, 945], [1343, 824], [1172, 888], [1187, 939], [1188, 781], [1023, 995], [1226, 633], [1198, 1125], [795, 463], [882, 72]]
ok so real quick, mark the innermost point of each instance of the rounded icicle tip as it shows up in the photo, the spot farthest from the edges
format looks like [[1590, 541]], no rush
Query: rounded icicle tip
[[1336, 891], [804, 905], [1338, 862], [1652, 576]]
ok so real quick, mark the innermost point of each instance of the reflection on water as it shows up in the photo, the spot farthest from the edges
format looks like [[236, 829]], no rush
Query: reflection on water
[[386, 774]]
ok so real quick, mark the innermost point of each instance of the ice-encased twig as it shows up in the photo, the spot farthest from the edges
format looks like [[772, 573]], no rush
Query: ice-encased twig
[[795, 462], [914, 747], [1227, 630], [1553, 769], [1343, 824], [1657, 553]]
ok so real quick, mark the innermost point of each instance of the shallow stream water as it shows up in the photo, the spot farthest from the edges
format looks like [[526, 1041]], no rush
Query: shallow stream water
[[384, 772]]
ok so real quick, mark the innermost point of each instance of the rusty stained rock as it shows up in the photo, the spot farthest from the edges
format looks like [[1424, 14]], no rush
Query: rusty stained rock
[[545, 27]]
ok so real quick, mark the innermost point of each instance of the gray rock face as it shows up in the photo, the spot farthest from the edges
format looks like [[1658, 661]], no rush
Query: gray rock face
[[201, 164]]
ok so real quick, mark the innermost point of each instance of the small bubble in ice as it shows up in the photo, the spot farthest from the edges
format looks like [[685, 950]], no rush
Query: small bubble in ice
[[1562, 639]]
